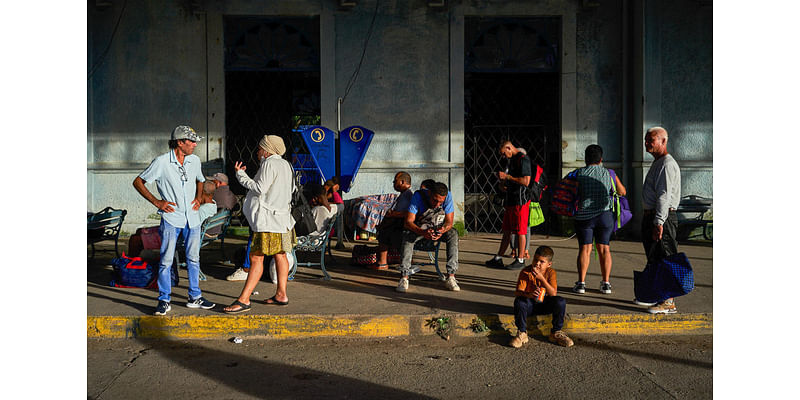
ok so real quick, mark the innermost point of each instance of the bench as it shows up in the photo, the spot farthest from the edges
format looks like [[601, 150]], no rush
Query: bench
[[698, 205], [314, 244], [105, 225], [221, 219]]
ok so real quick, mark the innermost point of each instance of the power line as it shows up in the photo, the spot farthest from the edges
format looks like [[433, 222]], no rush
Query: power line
[[105, 52], [353, 78]]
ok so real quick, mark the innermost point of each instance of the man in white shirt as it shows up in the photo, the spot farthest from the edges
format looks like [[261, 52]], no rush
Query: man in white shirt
[[661, 194]]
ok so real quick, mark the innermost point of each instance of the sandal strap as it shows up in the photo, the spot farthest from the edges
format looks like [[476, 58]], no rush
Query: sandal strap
[[240, 304]]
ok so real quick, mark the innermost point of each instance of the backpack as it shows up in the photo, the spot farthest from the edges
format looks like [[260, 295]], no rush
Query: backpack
[[565, 196], [431, 218], [537, 185], [304, 222]]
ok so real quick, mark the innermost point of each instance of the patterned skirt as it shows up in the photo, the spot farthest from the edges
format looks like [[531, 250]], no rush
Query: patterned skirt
[[270, 243]]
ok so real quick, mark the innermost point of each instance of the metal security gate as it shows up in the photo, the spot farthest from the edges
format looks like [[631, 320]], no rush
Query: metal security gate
[[483, 201], [272, 86]]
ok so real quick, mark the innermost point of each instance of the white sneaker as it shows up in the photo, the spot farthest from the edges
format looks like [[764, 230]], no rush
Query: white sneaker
[[452, 284], [403, 285], [238, 275]]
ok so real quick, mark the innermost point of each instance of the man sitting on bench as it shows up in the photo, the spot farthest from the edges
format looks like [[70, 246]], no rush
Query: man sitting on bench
[[430, 217], [390, 230], [208, 207]]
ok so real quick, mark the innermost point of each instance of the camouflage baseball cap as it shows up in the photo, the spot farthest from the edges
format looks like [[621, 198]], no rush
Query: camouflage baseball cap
[[185, 132]]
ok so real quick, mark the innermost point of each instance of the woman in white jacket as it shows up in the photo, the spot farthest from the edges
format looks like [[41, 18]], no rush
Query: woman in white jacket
[[267, 208]]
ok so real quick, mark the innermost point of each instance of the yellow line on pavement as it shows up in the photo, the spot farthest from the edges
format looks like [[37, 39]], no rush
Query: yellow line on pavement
[[293, 326]]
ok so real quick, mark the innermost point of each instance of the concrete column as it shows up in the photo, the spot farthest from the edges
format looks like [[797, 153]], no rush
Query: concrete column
[[569, 94], [456, 49], [215, 78]]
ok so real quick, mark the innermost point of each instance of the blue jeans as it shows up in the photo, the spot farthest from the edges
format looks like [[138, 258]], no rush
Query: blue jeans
[[525, 307], [410, 238], [169, 239]]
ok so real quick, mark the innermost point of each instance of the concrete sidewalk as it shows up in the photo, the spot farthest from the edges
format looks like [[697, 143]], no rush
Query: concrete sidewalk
[[362, 302]]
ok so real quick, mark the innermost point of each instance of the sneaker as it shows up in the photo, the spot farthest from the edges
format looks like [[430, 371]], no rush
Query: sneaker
[[402, 286], [494, 263], [162, 307], [605, 287], [519, 340], [238, 275], [200, 302], [560, 338], [665, 307], [579, 287], [452, 284], [516, 264], [643, 303]]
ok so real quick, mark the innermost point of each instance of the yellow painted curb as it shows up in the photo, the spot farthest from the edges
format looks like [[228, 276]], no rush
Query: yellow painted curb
[[276, 326], [292, 326], [619, 324]]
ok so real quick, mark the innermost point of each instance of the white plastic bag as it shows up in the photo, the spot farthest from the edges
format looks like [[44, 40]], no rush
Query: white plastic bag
[[272, 273]]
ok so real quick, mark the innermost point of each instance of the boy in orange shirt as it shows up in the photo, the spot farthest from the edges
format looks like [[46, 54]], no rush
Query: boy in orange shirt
[[532, 279]]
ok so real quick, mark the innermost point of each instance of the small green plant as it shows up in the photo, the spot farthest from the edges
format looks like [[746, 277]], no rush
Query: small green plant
[[478, 326], [460, 228], [441, 326], [154, 216]]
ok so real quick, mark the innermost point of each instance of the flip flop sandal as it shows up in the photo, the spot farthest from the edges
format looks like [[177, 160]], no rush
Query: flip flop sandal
[[242, 307], [275, 302], [379, 266]]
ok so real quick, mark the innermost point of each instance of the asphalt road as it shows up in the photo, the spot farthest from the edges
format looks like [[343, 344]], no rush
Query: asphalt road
[[610, 367]]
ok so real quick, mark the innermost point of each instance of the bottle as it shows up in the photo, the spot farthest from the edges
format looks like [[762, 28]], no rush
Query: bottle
[[540, 298]]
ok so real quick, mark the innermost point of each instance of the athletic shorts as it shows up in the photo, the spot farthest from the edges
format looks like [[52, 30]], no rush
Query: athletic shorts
[[599, 228], [515, 219]]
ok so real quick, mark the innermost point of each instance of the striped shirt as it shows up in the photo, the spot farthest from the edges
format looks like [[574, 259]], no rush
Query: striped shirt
[[594, 191]]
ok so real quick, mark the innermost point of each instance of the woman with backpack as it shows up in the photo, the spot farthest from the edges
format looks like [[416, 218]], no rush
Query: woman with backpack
[[594, 219], [267, 207]]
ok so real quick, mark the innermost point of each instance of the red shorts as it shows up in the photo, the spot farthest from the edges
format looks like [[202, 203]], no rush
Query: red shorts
[[515, 219]]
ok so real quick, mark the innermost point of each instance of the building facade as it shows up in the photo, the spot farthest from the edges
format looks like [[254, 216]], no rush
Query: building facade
[[441, 83]]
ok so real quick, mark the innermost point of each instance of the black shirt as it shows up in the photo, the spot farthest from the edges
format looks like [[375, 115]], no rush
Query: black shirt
[[518, 166]]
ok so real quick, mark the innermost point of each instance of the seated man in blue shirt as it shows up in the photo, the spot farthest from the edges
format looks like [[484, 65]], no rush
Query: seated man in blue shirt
[[390, 230], [430, 217]]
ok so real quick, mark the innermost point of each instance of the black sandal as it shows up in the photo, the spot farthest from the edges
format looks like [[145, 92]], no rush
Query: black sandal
[[242, 307], [275, 301]]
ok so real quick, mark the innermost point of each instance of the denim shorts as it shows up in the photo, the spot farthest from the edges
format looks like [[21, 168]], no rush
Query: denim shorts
[[599, 228]]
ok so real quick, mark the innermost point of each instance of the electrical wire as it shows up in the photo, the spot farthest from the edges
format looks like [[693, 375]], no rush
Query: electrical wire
[[354, 77], [556, 240], [105, 52]]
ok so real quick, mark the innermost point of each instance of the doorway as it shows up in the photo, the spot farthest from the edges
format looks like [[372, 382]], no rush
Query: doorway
[[272, 86], [512, 92]]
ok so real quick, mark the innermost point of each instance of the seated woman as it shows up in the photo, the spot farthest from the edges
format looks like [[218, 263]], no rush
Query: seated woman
[[332, 192], [321, 208]]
